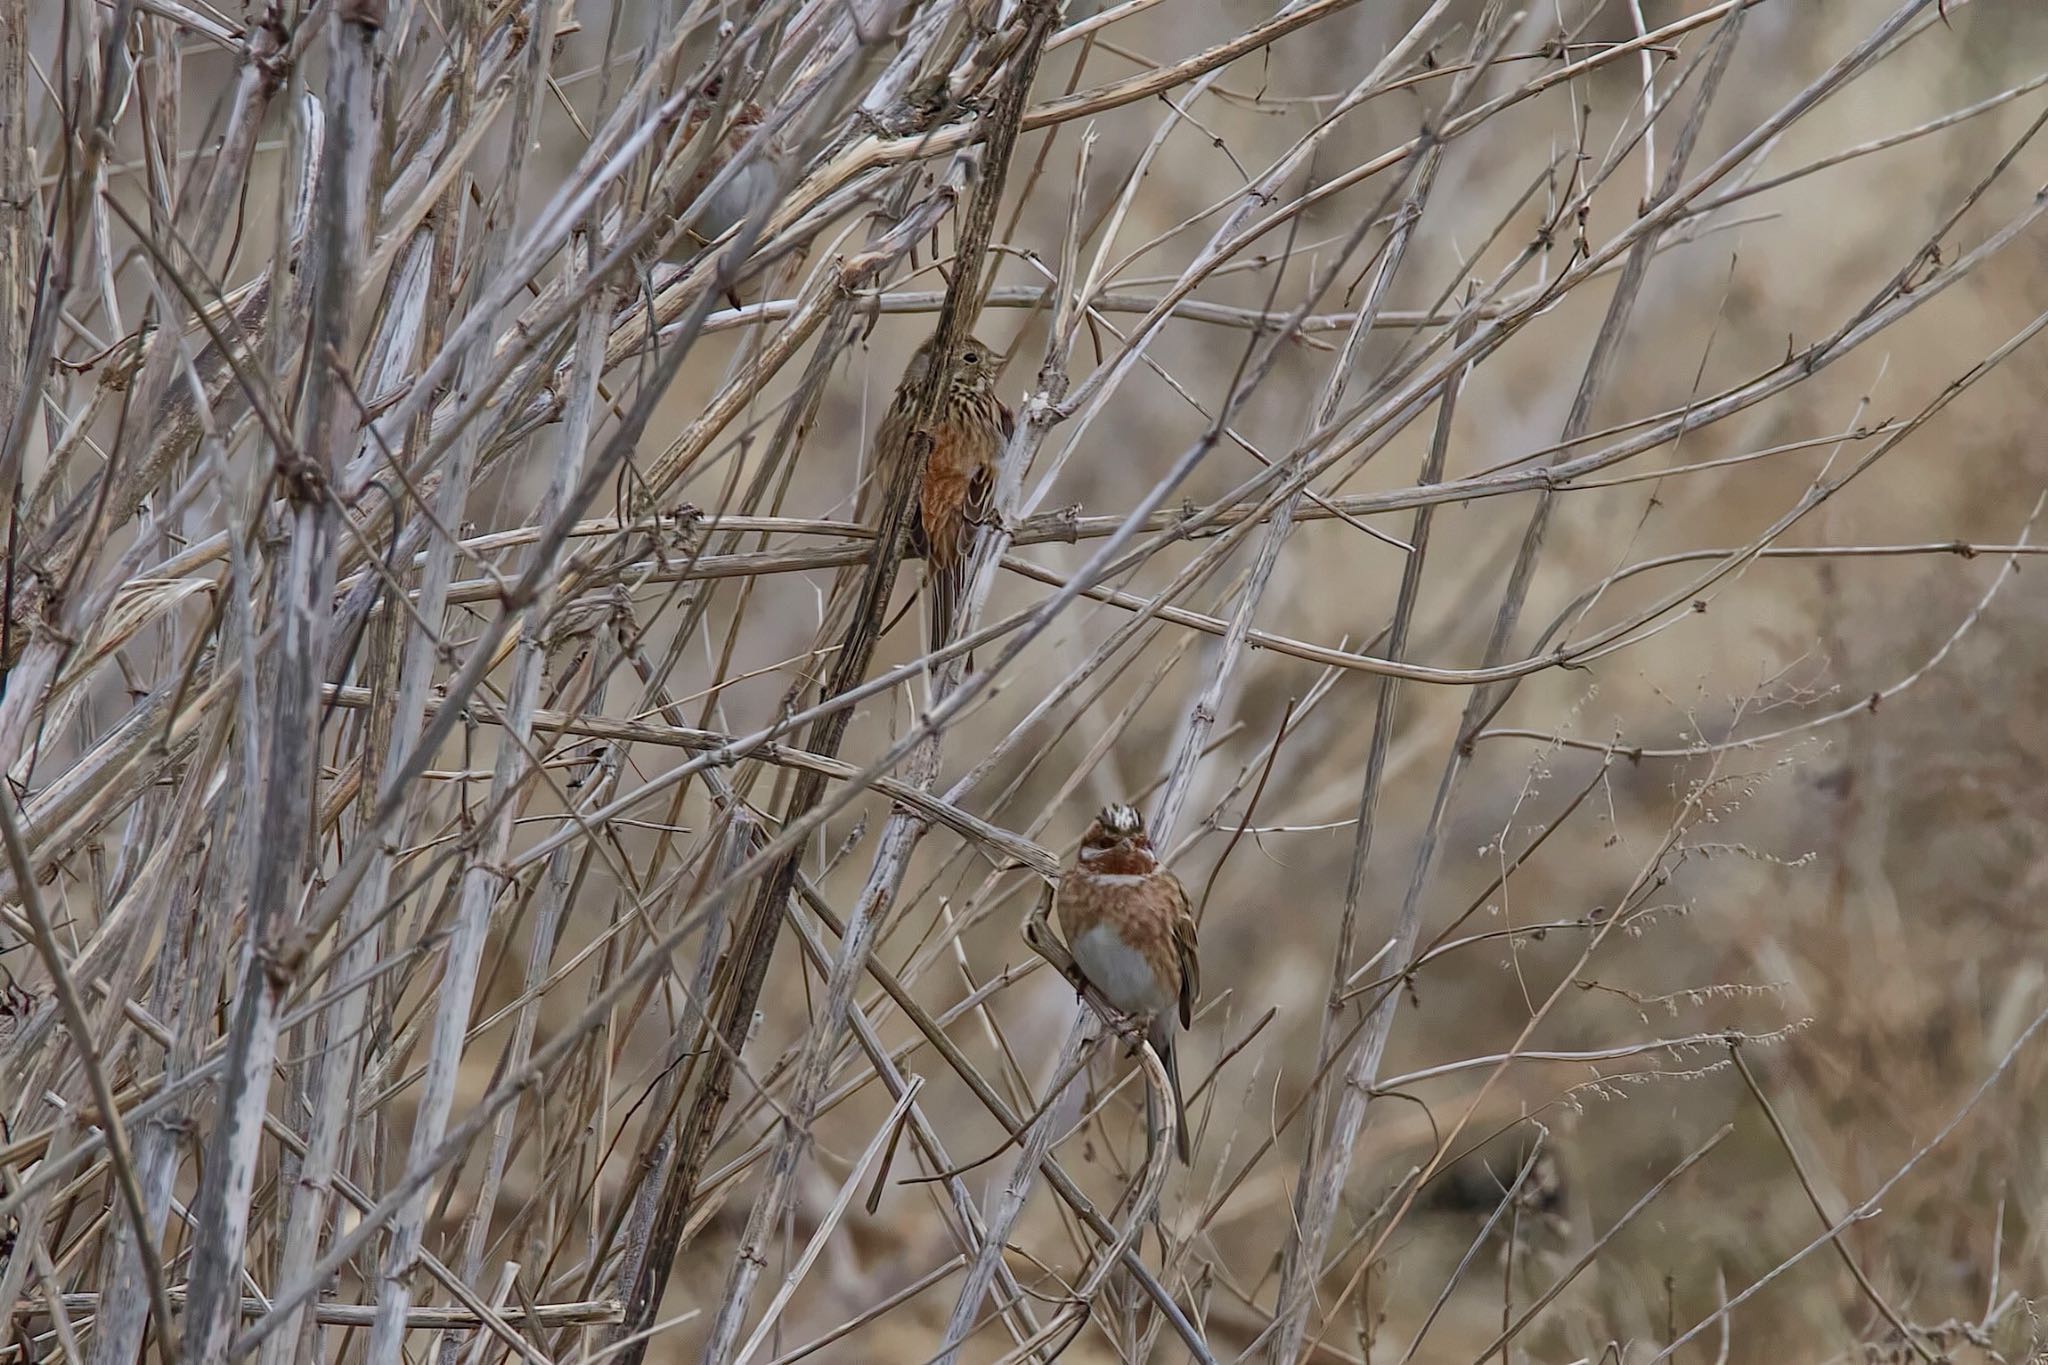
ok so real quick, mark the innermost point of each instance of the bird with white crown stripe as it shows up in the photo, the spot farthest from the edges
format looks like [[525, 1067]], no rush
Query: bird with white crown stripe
[[1129, 928]]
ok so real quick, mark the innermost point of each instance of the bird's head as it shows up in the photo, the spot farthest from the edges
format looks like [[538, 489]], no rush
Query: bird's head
[[1116, 842], [974, 366]]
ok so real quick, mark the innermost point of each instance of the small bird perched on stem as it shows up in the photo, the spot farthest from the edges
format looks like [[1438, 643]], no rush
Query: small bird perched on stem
[[959, 488], [734, 128], [1128, 926]]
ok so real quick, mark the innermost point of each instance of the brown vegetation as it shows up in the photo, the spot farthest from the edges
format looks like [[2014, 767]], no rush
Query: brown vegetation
[[1536, 506]]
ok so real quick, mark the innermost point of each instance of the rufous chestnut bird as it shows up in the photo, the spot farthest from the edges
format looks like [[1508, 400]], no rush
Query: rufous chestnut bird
[[958, 492], [1129, 928]]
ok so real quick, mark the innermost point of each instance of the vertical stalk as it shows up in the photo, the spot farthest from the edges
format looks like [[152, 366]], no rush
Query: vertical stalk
[[303, 596]]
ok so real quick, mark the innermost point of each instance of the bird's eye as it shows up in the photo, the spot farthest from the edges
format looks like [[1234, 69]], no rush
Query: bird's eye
[[970, 357]]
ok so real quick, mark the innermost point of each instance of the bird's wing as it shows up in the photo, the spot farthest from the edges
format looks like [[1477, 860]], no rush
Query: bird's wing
[[892, 436], [980, 506], [891, 439]]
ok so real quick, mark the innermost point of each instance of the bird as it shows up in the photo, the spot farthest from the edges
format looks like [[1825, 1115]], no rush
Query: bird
[[959, 487], [736, 197], [1129, 929]]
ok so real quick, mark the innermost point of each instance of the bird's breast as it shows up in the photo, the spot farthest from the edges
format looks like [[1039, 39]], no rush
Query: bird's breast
[[1122, 973]]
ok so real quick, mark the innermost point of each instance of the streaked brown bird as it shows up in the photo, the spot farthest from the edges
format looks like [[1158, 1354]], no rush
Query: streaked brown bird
[[1129, 928], [959, 488]]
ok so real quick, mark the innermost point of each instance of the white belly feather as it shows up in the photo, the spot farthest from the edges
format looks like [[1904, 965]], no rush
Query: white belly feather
[[1119, 972]]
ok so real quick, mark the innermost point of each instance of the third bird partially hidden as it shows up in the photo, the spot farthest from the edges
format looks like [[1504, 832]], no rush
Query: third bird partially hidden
[[1128, 925]]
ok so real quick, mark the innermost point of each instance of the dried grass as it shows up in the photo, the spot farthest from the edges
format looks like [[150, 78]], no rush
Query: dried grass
[[482, 884]]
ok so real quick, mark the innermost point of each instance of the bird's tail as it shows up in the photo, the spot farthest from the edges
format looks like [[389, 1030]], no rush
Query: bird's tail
[[1160, 1035], [941, 601]]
